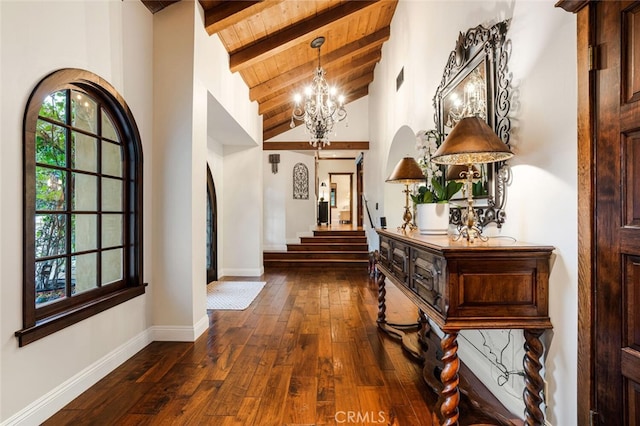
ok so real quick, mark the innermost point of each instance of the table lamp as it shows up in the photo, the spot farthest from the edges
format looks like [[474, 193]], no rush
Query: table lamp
[[471, 142], [407, 171]]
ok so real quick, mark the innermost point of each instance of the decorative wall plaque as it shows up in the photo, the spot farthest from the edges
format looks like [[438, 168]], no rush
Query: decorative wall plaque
[[300, 182]]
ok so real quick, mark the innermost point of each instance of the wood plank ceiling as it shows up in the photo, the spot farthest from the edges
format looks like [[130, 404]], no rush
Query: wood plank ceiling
[[269, 45]]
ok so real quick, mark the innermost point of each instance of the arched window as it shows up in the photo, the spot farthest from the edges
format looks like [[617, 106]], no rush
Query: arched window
[[82, 203]]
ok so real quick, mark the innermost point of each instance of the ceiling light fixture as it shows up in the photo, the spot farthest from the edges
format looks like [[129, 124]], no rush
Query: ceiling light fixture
[[322, 107]]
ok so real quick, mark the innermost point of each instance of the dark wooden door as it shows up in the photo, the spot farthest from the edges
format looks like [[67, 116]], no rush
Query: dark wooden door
[[360, 190], [212, 229], [616, 216]]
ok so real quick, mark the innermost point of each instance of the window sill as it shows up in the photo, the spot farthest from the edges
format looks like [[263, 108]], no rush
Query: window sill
[[55, 323]]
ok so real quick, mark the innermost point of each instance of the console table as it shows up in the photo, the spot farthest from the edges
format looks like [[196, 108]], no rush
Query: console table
[[499, 284]]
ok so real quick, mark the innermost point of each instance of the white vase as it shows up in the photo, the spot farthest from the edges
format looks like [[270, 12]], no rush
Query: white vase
[[433, 218]]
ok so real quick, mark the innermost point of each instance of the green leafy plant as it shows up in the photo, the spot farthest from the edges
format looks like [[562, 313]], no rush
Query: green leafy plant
[[436, 192]]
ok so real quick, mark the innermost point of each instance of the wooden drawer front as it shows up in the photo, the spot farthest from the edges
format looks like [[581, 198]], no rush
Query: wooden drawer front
[[499, 288], [428, 278], [400, 262], [385, 252]]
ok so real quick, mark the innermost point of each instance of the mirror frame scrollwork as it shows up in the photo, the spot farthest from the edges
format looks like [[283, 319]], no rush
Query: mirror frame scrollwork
[[485, 51]]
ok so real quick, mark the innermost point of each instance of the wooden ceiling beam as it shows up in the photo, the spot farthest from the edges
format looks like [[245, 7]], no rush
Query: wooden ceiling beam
[[362, 45], [229, 13], [285, 125], [306, 146], [282, 40], [156, 6]]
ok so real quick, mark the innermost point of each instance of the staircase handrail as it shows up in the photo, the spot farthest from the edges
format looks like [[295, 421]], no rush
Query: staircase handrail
[[366, 205]]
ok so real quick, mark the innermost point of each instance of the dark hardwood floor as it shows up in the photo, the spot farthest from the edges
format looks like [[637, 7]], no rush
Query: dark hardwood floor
[[306, 352]]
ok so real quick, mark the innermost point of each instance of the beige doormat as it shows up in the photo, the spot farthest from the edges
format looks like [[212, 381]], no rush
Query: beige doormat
[[232, 295]]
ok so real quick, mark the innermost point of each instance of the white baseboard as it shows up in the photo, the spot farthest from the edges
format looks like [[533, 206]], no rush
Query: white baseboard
[[161, 333], [50, 403], [241, 272]]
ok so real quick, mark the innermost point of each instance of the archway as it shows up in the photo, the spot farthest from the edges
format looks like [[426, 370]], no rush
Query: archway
[[212, 229], [403, 144]]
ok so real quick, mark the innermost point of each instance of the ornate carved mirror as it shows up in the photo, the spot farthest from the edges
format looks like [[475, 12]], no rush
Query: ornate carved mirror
[[476, 81]]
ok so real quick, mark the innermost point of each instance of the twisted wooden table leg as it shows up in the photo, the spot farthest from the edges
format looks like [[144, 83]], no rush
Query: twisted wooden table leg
[[533, 383], [424, 329], [449, 377], [382, 305]]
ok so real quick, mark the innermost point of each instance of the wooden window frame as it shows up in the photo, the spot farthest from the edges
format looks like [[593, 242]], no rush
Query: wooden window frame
[[39, 322]]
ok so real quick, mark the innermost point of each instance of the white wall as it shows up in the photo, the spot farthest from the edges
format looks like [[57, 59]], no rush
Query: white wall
[[114, 40], [168, 87], [242, 221], [286, 219], [200, 113], [178, 261], [234, 140], [403, 144], [542, 204], [545, 175]]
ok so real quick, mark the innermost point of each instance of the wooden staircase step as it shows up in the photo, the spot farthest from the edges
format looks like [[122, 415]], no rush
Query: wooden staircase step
[[315, 263], [333, 239], [337, 233], [328, 247], [325, 255]]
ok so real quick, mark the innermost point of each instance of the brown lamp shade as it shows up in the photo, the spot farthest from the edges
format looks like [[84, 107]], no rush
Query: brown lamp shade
[[406, 171], [471, 142], [459, 172]]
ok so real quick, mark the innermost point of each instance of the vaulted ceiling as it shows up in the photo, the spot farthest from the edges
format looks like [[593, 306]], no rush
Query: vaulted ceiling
[[269, 45]]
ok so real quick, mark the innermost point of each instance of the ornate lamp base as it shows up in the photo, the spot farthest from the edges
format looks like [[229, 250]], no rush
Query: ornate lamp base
[[470, 229], [408, 224]]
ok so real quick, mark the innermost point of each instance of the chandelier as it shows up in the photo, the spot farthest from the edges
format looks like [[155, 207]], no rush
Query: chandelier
[[321, 108]]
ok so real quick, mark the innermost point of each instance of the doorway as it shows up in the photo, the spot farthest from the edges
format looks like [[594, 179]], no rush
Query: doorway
[[212, 229], [341, 198], [360, 190]]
